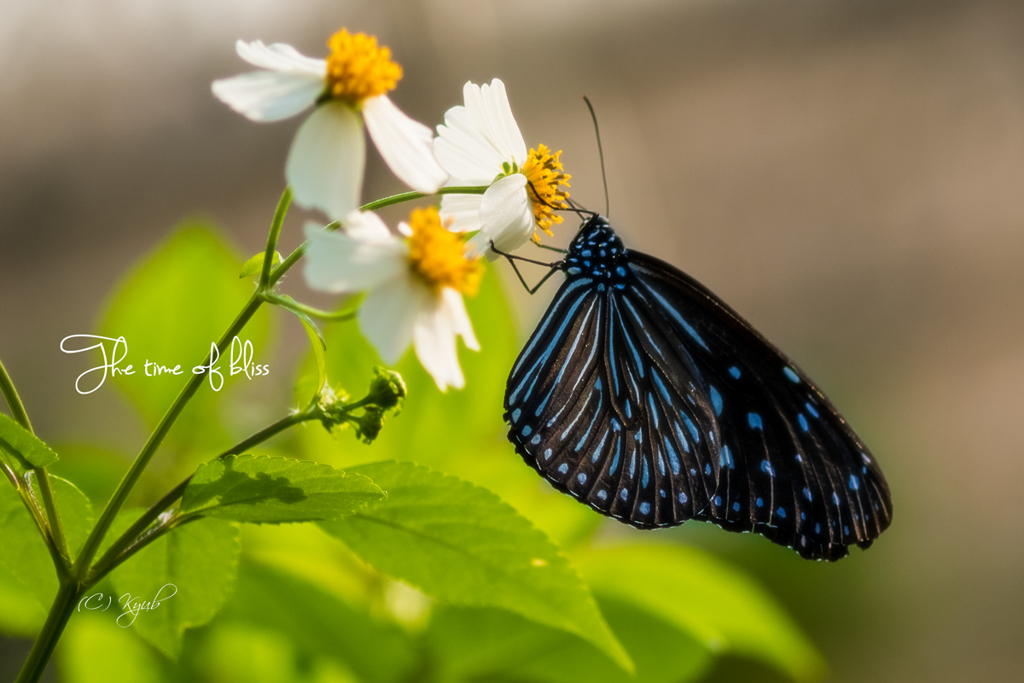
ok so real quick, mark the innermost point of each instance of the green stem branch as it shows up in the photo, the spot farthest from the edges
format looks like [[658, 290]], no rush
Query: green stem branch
[[293, 305], [274, 235], [13, 400], [42, 649], [117, 501], [136, 537], [50, 526]]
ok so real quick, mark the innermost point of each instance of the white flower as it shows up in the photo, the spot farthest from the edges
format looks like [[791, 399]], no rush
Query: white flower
[[414, 286], [325, 165], [480, 144]]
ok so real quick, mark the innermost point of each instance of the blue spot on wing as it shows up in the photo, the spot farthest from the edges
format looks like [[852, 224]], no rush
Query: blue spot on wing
[[725, 458], [793, 377], [716, 401], [754, 420], [735, 372]]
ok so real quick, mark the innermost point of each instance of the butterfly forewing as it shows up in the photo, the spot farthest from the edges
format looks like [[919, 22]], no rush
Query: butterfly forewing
[[646, 397]]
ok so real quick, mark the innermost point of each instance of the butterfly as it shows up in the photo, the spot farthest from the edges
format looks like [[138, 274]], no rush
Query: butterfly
[[644, 396]]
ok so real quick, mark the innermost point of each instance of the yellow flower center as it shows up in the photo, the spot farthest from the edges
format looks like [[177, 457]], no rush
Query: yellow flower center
[[357, 68], [436, 255], [546, 178]]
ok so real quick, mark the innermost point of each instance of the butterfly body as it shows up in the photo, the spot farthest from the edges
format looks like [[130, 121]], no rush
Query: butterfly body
[[647, 398]]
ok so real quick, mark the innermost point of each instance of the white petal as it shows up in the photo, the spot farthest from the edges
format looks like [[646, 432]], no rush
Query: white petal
[[268, 95], [325, 164], [366, 226], [434, 337], [488, 107], [406, 145], [477, 138], [461, 212], [354, 261], [459, 318], [389, 314], [464, 151], [506, 217], [281, 57]]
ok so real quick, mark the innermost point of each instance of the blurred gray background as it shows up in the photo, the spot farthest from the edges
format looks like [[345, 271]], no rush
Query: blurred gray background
[[847, 175]]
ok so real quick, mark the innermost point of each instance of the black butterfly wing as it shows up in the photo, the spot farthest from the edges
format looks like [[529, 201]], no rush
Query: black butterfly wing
[[796, 469], [582, 413], [654, 403]]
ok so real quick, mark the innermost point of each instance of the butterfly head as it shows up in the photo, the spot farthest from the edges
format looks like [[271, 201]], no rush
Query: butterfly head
[[597, 253]]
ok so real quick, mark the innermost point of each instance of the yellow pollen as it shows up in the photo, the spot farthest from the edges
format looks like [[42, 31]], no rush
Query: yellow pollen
[[358, 69], [545, 178], [436, 255]]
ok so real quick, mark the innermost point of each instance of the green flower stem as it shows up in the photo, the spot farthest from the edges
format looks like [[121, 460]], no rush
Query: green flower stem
[[50, 528], [42, 649], [293, 305], [372, 206], [275, 234], [134, 539], [13, 400], [117, 501], [410, 196]]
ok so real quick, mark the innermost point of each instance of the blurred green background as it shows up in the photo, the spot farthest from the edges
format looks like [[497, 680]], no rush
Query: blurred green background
[[846, 175]]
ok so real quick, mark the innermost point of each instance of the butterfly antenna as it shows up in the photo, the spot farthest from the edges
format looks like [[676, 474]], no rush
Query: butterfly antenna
[[511, 258], [600, 152]]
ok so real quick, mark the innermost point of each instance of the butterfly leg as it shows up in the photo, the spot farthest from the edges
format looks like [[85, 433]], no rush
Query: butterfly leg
[[544, 246], [554, 268]]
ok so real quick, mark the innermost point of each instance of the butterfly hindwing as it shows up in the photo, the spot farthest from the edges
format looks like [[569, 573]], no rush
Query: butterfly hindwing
[[647, 398], [818, 486]]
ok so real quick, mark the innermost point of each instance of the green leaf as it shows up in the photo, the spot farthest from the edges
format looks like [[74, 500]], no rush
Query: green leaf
[[461, 544], [254, 266], [94, 650], [707, 599], [21, 615], [321, 624], [96, 470], [489, 644], [238, 653], [195, 564], [272, 490], [457, 431], [170, 310], [24, 552], [20, 449]]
